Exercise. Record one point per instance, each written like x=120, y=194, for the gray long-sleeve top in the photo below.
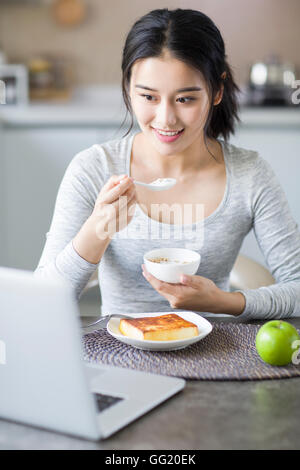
x=253, y=199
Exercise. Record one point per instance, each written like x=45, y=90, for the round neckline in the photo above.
x=206, y=219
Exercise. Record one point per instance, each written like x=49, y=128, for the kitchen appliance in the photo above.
x=50, y=77
x=271, y=83
x=14, y=81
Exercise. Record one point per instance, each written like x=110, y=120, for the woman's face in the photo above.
x=166, y=108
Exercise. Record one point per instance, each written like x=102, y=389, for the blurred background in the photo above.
x=91, y=33
x=60, y=77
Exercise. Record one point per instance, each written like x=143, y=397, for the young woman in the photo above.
x=176, y=80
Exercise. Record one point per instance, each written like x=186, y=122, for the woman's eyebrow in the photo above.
x=190, y=88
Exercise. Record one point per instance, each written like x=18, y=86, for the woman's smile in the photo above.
x=168, y=137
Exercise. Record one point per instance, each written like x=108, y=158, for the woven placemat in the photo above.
x=227, y=353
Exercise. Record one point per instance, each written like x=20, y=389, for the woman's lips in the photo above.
x=167, y=138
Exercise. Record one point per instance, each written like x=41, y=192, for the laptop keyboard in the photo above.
x=105, y=401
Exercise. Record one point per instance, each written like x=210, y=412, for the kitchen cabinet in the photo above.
x=33, y=161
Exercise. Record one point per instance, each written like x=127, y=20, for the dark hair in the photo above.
x=192, y=37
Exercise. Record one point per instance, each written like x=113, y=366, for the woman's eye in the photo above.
x=183, y=102
x=188, y=98
x=147, y=96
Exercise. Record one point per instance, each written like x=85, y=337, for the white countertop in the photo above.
x=104, y=106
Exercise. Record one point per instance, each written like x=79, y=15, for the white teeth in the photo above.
x=167, y=133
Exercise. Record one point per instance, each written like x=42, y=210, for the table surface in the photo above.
x=262, y=414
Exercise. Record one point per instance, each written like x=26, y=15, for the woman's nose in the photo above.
x=166, y=115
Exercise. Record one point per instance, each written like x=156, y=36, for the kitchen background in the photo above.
x=61, y=63
x=251, y=31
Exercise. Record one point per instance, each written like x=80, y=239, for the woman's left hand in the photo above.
x=194, y=293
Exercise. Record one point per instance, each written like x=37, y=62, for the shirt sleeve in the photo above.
x=75, y=201
x=278, y=237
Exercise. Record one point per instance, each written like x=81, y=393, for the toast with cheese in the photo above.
x=162, y=328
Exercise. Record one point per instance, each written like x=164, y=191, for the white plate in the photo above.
x=204, y=328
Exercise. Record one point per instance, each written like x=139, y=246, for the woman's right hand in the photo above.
x=113, y=210
x=114, y=207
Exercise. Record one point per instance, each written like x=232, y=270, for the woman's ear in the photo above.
x=219, y=95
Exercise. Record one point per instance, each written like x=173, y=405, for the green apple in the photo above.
x=274, y=342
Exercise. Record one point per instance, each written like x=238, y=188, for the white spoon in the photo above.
x=160, y=184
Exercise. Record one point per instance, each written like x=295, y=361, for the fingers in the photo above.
x=125, y=199
x=114, y=193
x=191, y=281
x=117, y=214
x=114, y=188
x=161, y=286
x=113, y=181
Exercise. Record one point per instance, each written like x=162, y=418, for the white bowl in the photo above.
x=182, y=261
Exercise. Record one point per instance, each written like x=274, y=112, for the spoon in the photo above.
x=160, y=184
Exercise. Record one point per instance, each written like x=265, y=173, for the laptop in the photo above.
x=44, y=380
